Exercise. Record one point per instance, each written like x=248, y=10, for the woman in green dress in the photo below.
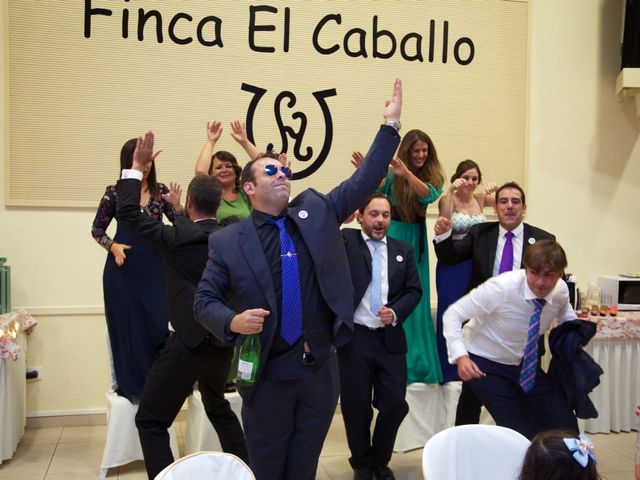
x=224, y=166
x=415, y=180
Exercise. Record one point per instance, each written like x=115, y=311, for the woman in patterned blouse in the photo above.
x=133, y=283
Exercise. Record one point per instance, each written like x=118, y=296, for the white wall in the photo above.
x=584, y=152
x=583, y=174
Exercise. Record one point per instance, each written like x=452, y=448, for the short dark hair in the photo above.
x=464, y=166
x=224, y=156
x=247, y=174
x=511, y=185
x=548, y=457
x=205, y=193
x=371, y=197
x=545, y=253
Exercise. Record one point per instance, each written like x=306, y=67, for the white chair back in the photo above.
x=207, y=465
x=122, y=444
x=469, y=452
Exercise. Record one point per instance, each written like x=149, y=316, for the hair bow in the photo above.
x=582, y=449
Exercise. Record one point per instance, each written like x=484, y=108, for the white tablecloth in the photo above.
x=13, y=402
x=432, y=408
x=619, y=391
x=616, y=348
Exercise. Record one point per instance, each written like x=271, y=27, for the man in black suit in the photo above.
x=191, y=353
x=283, y=273
x=484, y=245
x=374, y=361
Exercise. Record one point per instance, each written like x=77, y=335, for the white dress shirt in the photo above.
x=499, y=310
x=517, y=241
x=131, y=173
x=363, y=314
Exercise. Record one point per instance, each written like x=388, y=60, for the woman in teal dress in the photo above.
x=224, y=166
x=415, y=180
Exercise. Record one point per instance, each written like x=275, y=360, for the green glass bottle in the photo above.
x=249, y=360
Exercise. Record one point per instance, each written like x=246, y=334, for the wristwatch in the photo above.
x=393, y=123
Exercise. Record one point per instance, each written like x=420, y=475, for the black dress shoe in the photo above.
x=383, y=472
x=363, y=474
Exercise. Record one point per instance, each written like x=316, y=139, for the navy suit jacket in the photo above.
x=237, y=276
x=404, y=282
x=480, y=245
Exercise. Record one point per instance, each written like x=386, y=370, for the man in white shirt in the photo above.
x=485, y=245
x=498, y=354
x=386, y=290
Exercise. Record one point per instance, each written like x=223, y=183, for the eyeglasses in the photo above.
x=272, y=169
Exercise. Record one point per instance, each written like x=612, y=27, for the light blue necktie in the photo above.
x=375, y=300
x=291, y=318
x=530, y=358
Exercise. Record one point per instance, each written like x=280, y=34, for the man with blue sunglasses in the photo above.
x=283, y=273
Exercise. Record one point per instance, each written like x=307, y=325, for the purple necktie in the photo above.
x=506, y=262
x=530, y=358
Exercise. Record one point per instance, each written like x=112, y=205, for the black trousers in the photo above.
x=540, y=409
x=287, y=421
x=365, y=368
x=169, y=383
x=469, y=406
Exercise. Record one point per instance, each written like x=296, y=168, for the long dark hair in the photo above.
x=407, y=205
x=126, y=161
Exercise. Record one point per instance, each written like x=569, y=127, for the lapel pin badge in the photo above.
x=531, y=241
x=303, y=214
x=399, y=258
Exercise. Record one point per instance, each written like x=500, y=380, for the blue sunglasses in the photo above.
x=271, y=170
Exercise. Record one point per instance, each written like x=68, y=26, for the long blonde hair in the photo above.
x=407, y=205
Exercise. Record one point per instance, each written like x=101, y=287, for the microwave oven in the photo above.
x=624, y=292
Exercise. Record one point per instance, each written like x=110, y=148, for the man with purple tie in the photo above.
x=494, y=248
x=498, y=354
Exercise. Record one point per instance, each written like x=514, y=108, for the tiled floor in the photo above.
x=74, y=453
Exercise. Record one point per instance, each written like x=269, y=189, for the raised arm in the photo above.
x=446, y=204
x=203, y=164
x=488, y=197
x=239, y=134
x=399, y=169
x=128, y=211
x=350, y=194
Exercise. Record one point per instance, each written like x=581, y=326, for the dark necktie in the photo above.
x=530, y=358
x=375, y=300
x=291, y=318
x=506, y=262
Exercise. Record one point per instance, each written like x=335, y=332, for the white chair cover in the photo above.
x=122, y=445
x=13, y=400
x=200, y=434
x=207, y=465
x=469, y=452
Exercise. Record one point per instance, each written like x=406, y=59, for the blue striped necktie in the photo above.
x=530, y=358
x=291, y=315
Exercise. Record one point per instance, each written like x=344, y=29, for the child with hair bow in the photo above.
x=558, y=455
